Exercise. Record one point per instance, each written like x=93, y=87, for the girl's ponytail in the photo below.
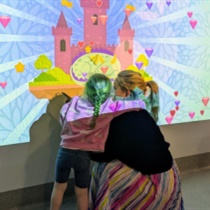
x=154, y=99
x=97, y=106
x=97, y=90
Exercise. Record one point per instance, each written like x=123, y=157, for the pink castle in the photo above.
x=95, y=29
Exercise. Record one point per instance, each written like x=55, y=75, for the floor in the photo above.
x=195, y=188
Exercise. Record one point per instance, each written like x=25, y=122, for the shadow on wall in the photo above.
x=43, y=146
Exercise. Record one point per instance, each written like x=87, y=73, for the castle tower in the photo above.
x=62, y=35
x=94, y=15
x=124, y=51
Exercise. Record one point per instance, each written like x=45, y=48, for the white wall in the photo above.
x=31, y=164
x=188, y=138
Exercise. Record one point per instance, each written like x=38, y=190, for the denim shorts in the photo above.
x=77, y=160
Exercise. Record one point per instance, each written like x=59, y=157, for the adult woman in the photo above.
x=136, y=171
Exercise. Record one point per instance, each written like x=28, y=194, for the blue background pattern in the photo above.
x=175, y=65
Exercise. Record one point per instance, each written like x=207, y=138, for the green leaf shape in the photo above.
x=44, y=77
x=53, y=83
x=59, y=74
x=42, y=63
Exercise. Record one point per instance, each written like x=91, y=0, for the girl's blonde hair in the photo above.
x=97, y=90
x=128, y=80
x=154, y=86
x=154, y=90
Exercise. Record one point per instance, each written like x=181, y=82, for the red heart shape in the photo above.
x=130, y=51
x=104, y=69
x=91, y=43
x=99, y=3
x=202, y=112
x=176, y=93
x=80, y=44
x=177, y=108
x=172, y=112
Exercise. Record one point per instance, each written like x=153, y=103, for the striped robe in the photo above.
x=115, y=186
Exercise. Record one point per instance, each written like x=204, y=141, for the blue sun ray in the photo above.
x=25, y=38
x=201, y=74
x=177, y=15
x=10, y=65
x=13, y=137
x=23, y=15
x=5, y=100
x=57, y=12
x=195, y=41
x=184, y=100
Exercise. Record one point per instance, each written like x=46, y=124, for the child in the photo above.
x=85, y=123
x=130, y=85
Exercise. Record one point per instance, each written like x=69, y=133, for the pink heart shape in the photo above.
x=3, y=84
x=115, y=106
x=169, y=119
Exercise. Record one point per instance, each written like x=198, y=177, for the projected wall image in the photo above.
x=49, y=47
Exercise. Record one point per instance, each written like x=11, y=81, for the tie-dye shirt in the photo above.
x=77, y=115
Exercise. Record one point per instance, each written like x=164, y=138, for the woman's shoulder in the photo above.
x=135, y=120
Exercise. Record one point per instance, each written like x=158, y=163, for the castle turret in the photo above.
x=95, y=19
x=126, y=32
x=124, y=51
x=62, y=34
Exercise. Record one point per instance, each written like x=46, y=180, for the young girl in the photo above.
x=130, y=85
x=85, y=123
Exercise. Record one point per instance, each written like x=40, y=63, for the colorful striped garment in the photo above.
x=115, y=186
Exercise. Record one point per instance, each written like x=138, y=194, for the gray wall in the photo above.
x=31, y=164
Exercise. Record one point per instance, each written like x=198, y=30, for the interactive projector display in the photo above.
x=49, y=47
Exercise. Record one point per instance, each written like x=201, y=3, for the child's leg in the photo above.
x=57, y=195
x=62, y=172
x=82, y=198
x=82, y=176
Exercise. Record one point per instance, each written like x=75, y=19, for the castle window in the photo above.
x=95, y=19
x=126, y=45
x=62, y=45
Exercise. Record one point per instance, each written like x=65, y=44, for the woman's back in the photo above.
x=146, y=151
